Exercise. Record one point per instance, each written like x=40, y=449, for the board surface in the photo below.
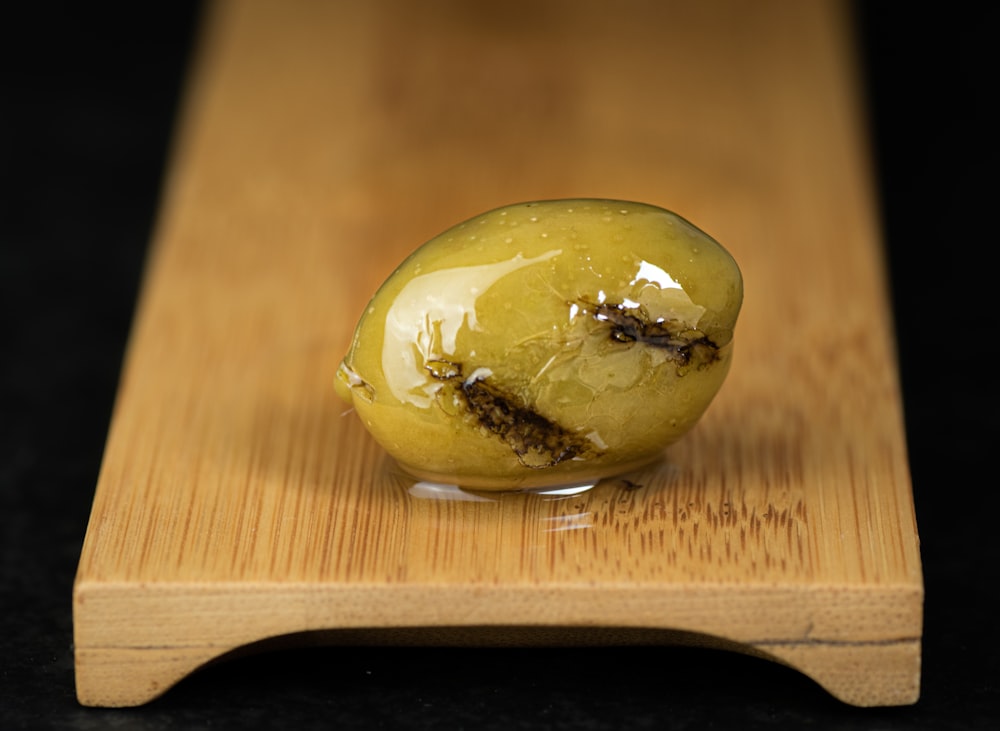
x=320, y=144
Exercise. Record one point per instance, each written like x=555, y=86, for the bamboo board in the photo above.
x=320, y=144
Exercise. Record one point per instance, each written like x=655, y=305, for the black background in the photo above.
x=89, y=94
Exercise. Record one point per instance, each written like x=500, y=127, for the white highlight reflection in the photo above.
x=566, y=489
x=577, y=521
x=444, y=491
x=655, y=275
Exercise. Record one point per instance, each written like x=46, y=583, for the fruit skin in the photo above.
x=546, y=343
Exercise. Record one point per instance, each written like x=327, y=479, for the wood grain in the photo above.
x=321, y=143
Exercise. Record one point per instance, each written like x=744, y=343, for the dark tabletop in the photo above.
x=89, y=95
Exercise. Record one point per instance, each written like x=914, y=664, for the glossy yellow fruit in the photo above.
x=545, y=344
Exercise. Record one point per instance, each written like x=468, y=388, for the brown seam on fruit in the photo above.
x=537, y=441
x=684, y=345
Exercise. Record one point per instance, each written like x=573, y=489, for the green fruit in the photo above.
x=545, y=344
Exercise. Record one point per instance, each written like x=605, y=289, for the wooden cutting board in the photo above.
x=320, y=144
